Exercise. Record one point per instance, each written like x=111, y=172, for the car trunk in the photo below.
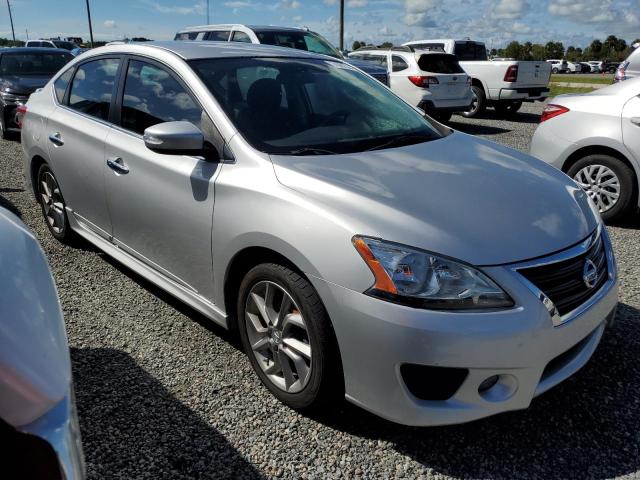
x=452, y=79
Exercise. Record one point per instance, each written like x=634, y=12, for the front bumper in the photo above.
x=520, y=346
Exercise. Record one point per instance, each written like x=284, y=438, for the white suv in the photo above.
x=51, y=44
x=432, y=81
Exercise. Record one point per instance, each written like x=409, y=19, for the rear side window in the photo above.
x=378, y=59
x=398, y=64
x=152, y=95
x=93, y=86
x=186, y=36
x=428, y=46
x=470, y=51
x=60, y=85
x=218, y=36
x=240, y=37
x=439, y=63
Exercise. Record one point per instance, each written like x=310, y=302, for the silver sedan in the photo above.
x=360, y=249
x=595, y=139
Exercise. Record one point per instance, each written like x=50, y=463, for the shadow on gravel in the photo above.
x=631, y=221
x=476, y=128
x=587, y=427
x=132, y=427
x=4, y=202
x=226, y=335
x=520, y=117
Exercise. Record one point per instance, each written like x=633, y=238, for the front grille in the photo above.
x=563, y=281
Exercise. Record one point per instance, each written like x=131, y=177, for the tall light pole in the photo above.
x=90, y=27
x=11, y=19
x=207, y=12
x=341, y=25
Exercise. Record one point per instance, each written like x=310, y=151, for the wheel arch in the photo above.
x=36, y=162
x=604, y=150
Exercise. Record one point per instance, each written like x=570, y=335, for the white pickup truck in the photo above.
x=501, y=84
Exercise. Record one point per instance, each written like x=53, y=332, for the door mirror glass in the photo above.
x=174, y=137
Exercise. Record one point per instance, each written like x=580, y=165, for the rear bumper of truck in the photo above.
x=523, y=93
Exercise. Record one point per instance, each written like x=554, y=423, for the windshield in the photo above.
x=307, y=107
x=309, y=41
x=65, y=45
x=37, y=63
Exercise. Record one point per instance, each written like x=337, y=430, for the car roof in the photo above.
x=32, y=50
x=205, y=49
x=229, y=26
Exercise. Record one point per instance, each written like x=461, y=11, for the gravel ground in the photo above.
x=164, y=394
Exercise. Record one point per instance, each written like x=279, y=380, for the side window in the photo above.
x=60, y=85
x=380, y=60
x=218, y=36
x=398, y=64
x=186, y=36
x=152, y=95
x=240, y=37
x=93, y=86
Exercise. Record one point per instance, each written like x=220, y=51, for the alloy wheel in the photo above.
x=52, y=202
x=278, y=335
x=601, y=184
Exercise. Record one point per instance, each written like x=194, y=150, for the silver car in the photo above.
x=595, y=139
x=38, y=422
x=361, y=249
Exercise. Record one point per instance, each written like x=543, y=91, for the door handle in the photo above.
x=635, y=121
x=56, y=139
x=117, y=165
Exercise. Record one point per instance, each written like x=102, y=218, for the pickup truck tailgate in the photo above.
x=533, y=74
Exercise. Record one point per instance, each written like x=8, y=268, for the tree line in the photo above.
x=5, y=42
x=611, y=49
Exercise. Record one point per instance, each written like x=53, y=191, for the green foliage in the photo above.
x=386, y=45
x=356, y=45
x=5, y=42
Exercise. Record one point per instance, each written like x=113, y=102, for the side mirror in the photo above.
x=174, y=138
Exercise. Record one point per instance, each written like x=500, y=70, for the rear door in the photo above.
x=76, y=133
x=452, y=79
x=161, y=204
x=531, y=74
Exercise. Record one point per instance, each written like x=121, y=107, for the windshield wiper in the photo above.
x=311, y=151
x=403, y=140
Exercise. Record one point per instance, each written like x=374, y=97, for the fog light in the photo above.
x=488, y=383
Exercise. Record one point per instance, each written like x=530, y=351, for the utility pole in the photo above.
x=207, y=12
x=26, y=30
x=341, y=25
x=90, y=27
x=11, y=19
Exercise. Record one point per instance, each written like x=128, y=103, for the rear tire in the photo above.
x=442, y=117
x=53, y=206
x=603, y=177
x=554, y=70
x=276, y=342
x=507, y=109
x=479, y=104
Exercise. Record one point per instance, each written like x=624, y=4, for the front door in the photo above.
x=76, y=132
x=161, y=205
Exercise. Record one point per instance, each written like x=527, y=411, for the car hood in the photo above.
x=459, y=196
x=23, y=85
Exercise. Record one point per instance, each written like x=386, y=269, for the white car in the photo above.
x=596, y=66
x=431, y=81
x=574, y=67
x=595, y=139
x=503, y=85
x=38, y=423
x=51, y=44
x=558, y=66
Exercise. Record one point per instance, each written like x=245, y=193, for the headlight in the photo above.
x=422, y=279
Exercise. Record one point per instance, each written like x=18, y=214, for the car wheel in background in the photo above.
x=506, y=109
x=288, y=337
x=608, y=181
x=53, y=207
x=479, y=104
x=554, y=70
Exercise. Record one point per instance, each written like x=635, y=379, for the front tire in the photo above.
x=608, y=181
x=479, y=104
x=53, y=206
x=287, y=335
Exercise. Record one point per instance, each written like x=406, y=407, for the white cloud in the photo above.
x=509, y=9
x=419, y=6
x=239, y=4
x=290, y=4
x=198, y=8
x=357, y=3
x=110, y=24
x=330, y=2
